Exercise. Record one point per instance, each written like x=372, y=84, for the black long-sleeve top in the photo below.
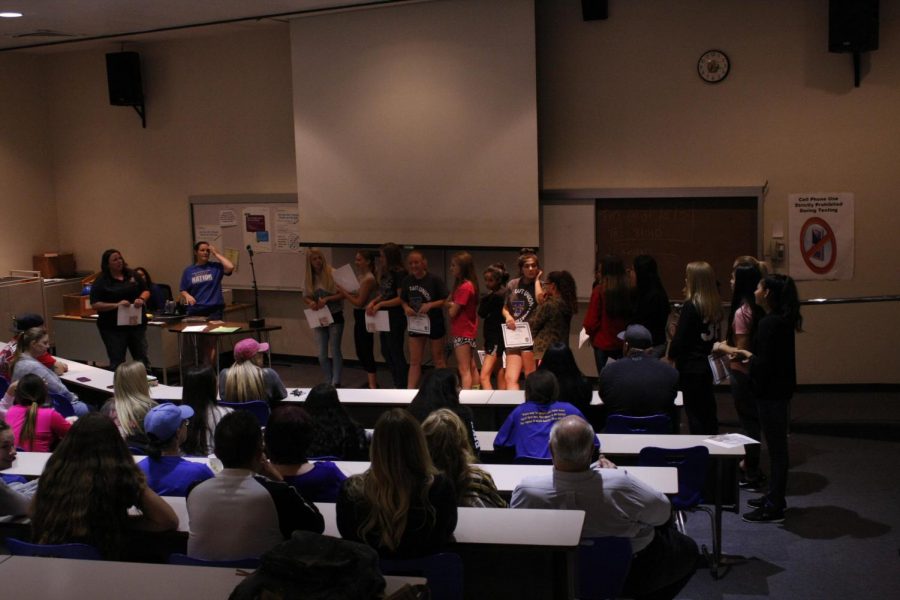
x=773, y=368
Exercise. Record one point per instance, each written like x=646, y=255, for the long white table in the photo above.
x=101, y=380
x=388, y=397
x=506, y=477
x=633, y=443
x=33, y=577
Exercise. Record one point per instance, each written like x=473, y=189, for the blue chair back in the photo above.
x=241, y=563
x=625, y=424
x=4, y=385
x=61, y=404
x=259, y=408
x=443, y=571
x=603, y=564
x=692, y=466
x=76, y=551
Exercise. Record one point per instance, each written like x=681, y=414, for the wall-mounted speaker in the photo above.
x=123, y=75
x=852, y=25
x=594, y=10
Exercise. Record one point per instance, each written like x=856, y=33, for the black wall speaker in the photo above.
x=123, y=75
x=852, y=25
x=594, y=10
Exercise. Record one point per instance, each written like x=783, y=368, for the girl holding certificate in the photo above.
x=423, y=296
x=321, y=292
x=462, y=308
x=391, y=274
x=362, y=337
x=524, y=293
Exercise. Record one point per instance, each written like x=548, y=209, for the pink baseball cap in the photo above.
x=248, y=348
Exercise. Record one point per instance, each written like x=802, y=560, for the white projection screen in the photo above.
x=417, y=124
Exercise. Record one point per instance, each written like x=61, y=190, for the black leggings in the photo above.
x=365, y=341
x=393, y=347
x=699, y=402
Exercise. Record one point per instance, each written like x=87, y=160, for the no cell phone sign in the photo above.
x=818, y=245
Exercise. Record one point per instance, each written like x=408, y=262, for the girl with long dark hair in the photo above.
x=608, y=311
x=490, y=309
x=651, y=303
x=200, y=392
x=463, y=310
x=363, y=339
x=522, y=298
x=391, y=273
x=334, y=433
x=552, y=319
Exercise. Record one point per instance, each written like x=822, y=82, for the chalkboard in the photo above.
x=267, y=222
x=676, y=231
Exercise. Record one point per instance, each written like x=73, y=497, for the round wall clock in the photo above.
x=713, y=66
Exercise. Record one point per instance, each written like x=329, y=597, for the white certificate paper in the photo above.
x=419, y=324
x=318, y=318
x=128, y=315
x=379, y=322
x=346, y=278
x=519, y=337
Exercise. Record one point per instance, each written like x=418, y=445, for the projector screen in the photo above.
x=417, y=124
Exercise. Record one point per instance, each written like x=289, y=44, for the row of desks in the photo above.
x=506, y=477
x=31, y=577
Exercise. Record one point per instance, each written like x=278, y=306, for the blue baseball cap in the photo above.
x=163, y=420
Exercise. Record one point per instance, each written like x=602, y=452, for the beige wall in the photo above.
x=620, y=105
x=219, y=121
x=29, y=222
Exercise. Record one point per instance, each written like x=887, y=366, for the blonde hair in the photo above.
x=702, y=290
x=450, y=449
x=401, y=468
x=131, y=397
x=244, y=382
x=324, y=280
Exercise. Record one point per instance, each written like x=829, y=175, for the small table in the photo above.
x=209, y=331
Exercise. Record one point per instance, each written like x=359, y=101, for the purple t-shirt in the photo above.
x=322, y=484
x=527, y=428
x=173, y=475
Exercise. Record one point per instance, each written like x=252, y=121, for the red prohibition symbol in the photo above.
x=815, y=245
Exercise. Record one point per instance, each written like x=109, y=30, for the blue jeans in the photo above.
x=331, y=367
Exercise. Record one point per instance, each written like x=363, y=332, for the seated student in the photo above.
x=130, y=403
x=23, y=324
x=240, y=513
x=288, y=434
x=246, y=380
x=88, y=486
x=440, y=389
x=615, y=504
x=200, y=392
x=158, y=294
x=639, y=384
x=32, y=345
x=448, y=444
x=526, y=430
x=13, y=498
x=167, y=473
x=401, y=506
x=36, y=426
x=334, y=432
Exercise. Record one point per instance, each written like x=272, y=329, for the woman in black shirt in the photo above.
x=118, y=286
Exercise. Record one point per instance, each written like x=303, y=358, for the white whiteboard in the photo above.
x=275, y=270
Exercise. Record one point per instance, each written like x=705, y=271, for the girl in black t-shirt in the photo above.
x=422, y=293
x=390, y=275
x=490, y=309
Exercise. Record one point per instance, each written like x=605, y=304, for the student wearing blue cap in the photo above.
x=168, y=474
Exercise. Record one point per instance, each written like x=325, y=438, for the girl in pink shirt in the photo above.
x=36, y=428
x=463, y=309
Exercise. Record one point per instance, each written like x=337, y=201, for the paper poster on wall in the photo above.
x=234, y=255
x=256, y=228
x=208, y=233
x=287, y=230
x=227, y=218
x=821, y=235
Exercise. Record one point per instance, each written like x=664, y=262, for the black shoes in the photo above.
x=764, y=512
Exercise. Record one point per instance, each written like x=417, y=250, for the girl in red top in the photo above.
x=36, y=428
x=608, y=311
x=463, y=307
